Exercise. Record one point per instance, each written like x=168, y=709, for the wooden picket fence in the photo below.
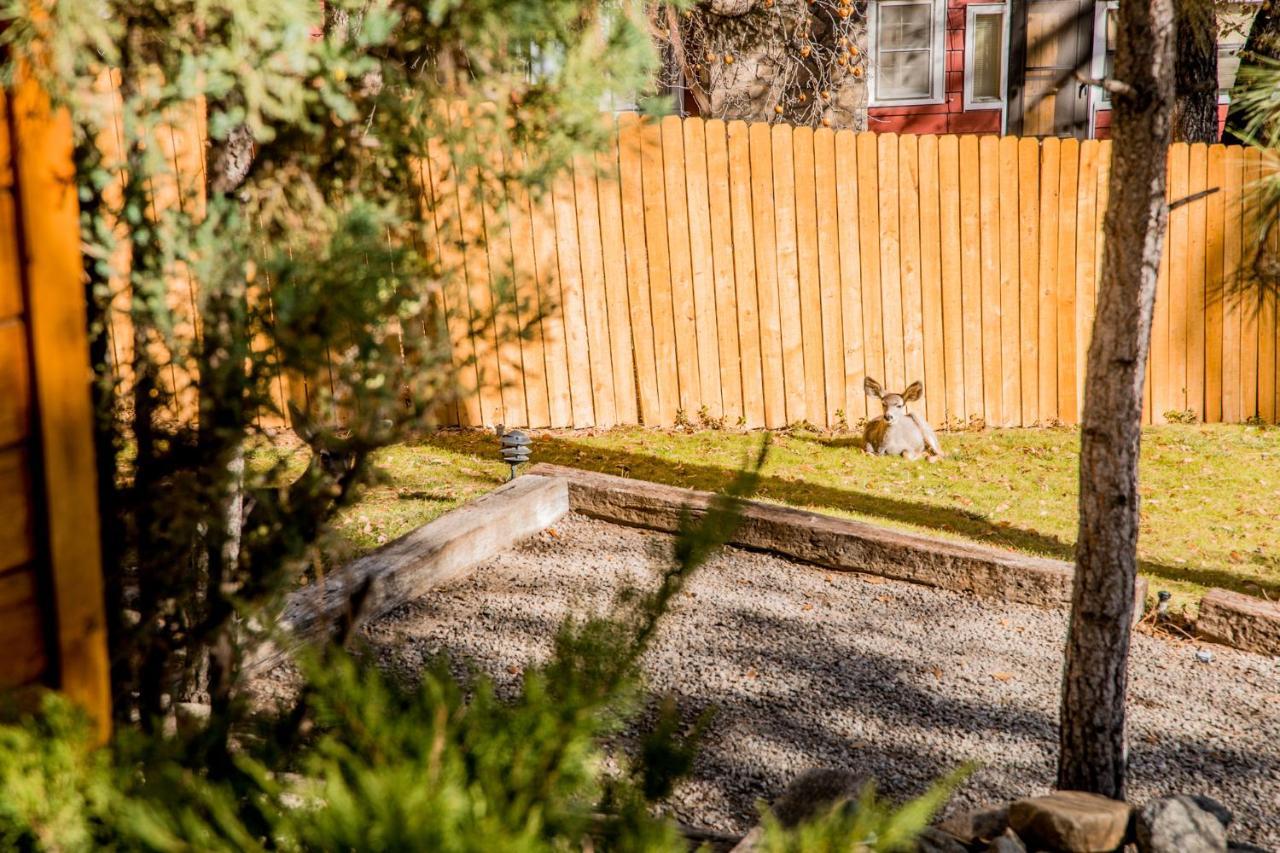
x=757, y=273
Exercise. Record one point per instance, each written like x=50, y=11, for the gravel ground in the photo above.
x=809, y=668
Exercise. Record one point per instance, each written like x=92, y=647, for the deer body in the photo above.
x=898, y=432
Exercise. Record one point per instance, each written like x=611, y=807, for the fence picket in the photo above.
x=1214, y=245
x=810, y=286
x=1010, y=315
x=1029, y=271
x=612, y=239
x=910, y=279
x=1197, y=178
x=952, y=278
x=971, y=275
x=766, y=262
x=931, y=283
x=1050, y=163
x=704, y=296
x=847, y=201
x=1068, y=177
x=595, y=297
x=659, y=263
x=744, y=273
x=829, y=274
x=1086, y=258
x=630, y=177
x=722, y=245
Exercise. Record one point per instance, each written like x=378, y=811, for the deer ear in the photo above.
x=872, y=387
x=913, y=392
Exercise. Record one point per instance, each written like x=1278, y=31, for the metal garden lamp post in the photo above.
x=516, y=447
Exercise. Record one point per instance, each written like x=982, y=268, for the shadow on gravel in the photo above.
x=797, y=492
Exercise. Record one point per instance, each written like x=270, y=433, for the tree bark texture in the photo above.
x=796, y=61
x=1195, y=111
x=1261, y=48
x=1092, y=756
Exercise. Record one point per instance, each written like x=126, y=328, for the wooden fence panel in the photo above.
x=935, y=381
x=1050, y=161
x=701, y=256
x=722, y=251
x=787, y=256
x=1010, y=315
x=1068, y=177
x=659, y=265
x=744, y=273
x=810, y=304
x=766, y=262
x=829, y=273
x=634, y=223
x=909, y=241
x=952, y=277
x=1029, y=267
x=681, y=279
x=989, y=224
x=847, y=209
x=971, y=276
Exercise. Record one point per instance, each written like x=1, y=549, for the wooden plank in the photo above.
x=1232, y=232
x=726, y=298
x=528, y=300
x=555, y=348
x=682, y=306
x=909, y=241
x=935, y=381
x=613, y=240
x=60, y=352
x=634, y=229
x=1029, y=278
x=1179, y=155
x=432, y=321
x=1010, y=315
x=952, y=278
x=704, y=289
x=895, y=371
x=659, y=262
x=1214, y=244
x=1197, y=178
x=829, y=276
x=480, y=296
x=10, y=279
x=762, y=214
x=506, y=313
x=847, y=200
x=869, y=258
x=572, y=301
x=595, y=296
x=744, y=273
x=15, y=383
x=681, y=267
x=1161, y=381
x=1068, y=177
x=17, y=535
x=22, y=629
x=815, y=402
x=989, y=223
x=971, y=275
x=1270, y=335
x=784, y=217
x=1251, y=316
x=1086, y=258
x=441, y=182
x=1050, y=166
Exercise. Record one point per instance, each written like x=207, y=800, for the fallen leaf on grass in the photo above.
x=552, y=532
x=807, y=606
x=1002, y=676
x=884, y=598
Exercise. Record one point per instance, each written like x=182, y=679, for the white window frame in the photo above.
x=1098, y=66
x=938, y=77
x=972, y=11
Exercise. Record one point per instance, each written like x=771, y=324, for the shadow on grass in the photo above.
x=795, y=491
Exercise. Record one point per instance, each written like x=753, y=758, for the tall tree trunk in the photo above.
x=1261, y=49
x=1195, y=111
x=1092, y=738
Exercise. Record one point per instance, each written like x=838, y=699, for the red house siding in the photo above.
x=949, y=117
x=1102, y=122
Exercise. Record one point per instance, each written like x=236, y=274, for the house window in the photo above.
x=1234, y=21
x=1104, y=49
x=984, y=53
x=907, y=58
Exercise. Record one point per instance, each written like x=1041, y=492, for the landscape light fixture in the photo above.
x=516, y=448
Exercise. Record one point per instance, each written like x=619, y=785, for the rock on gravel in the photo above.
x=1179, y=825
x=1071, y=821
x=901, y=682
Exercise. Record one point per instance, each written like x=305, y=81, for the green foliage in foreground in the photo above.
x=361, y=762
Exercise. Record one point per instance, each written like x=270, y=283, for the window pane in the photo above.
x=988, y=48
x=908, y=26
x=904, y=74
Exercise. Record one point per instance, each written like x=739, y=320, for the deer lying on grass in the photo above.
x=898, y=432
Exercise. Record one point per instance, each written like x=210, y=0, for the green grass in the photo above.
x=1211, y=494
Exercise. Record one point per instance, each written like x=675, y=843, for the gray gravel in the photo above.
x=810, y=668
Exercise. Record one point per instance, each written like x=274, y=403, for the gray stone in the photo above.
x=934, y=840
x=1070, y=822
x=835, y=543
x=1241, y=621
x=978, y=825
x=1213, y=807
x=1009, y=842
x=1179, y=825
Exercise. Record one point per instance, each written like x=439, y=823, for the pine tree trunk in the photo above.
x=1092, y=737
x=1261, y=50
x=1195, y=111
